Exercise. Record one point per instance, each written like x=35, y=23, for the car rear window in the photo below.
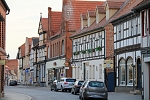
x=80, y=82
x=96, y=84
x=70, y=80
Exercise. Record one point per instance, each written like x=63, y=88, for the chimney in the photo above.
x=49, y=22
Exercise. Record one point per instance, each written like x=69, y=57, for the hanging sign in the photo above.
x=108, y=63
x=2, y=62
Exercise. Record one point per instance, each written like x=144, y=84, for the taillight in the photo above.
x=65, y=82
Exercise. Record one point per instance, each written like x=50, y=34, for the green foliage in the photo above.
x=98, y=48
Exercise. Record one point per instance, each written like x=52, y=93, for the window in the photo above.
x=93, y=71
x=130, y=28
x=48, y=52
x=129, y=70
x=63, y=47
x=100, y=71
x=100, y=41
x=122, y=71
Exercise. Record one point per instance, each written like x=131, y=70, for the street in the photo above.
x=44, y=93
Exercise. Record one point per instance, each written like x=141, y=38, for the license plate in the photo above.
x=96, y=96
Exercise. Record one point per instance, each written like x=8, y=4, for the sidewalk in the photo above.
x=15, y=96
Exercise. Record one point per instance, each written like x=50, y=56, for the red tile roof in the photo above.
x=92, y=27
x=126, y=8
x=44, y=22
x=56, y=21
x=73, y=10
x=102, y=23
x=101, y=9
x=91, y=13
x=114, y=4
x=84, y=16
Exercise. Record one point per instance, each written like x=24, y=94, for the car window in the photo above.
x=70, y=80
x=84, y=84
x=80, y=82
x=96, y=84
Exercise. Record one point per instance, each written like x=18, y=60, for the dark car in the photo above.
x=93, y=90
x=76, y=87
x=15, y=82
x=11, y=83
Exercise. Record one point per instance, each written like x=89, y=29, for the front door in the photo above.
x=139, y=77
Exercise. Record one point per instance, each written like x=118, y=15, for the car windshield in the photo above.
x=80, y=82
x=70, y=80
x=96, y=84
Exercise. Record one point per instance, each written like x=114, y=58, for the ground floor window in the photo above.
x=122, y=71
x=126, y=72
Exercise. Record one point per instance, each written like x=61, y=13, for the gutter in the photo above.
x=6, y=6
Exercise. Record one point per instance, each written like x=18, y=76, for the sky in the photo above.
x=23, y=21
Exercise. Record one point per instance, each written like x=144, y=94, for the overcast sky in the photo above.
x=23, y=21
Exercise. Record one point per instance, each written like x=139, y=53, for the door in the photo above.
x=139, y=78
x=111, y=82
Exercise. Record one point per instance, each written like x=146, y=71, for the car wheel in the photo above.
x=71, y=91
x=62, y=89
x=82, y=98
x=74, y=92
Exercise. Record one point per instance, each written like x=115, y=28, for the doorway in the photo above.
x=139, y=77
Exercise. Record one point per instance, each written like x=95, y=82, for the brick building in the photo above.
x=4, y=10
x=11, y=70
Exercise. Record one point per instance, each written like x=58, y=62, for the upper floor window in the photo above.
x=63, y=47
x=48, y=52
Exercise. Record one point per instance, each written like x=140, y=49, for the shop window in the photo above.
x=122, y=72
x=129, y=71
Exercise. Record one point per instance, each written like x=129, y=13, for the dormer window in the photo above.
x=111, y=8
x=91, y=17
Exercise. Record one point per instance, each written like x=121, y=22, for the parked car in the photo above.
x=76, y=87
x=11, y=83
x=65, y=84
x=53, y=85
x=81, y=88
x=93, y=90
x=15, y=82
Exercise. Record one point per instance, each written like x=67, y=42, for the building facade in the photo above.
x=127, y=44
x=20, y=57
x=35, y=41
x=4, y=10
x=93, y=43
x=144, y=11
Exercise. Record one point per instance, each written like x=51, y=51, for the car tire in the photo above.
x=62, y=89
x=71, y=91
x=75, y=92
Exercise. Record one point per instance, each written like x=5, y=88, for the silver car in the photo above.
x=93, y=90
x=65, y=84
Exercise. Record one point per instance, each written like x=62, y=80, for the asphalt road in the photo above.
x=44, y=93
